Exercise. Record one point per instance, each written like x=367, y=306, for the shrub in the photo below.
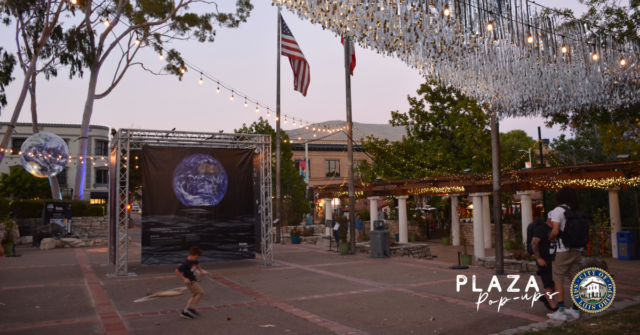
x=26, y=209
x=4, y=208
x=79, y=208
x=94, y=211
x=365, y=215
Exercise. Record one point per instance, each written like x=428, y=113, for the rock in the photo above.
x=480, y=262
x=554, y=323
x=532, y=267
x=47, y=243
x=73, y=243
x=26, y=239
x=509, y=332
x=59, y=244
x=539, y=326
x=593, y=262
x=523, y=329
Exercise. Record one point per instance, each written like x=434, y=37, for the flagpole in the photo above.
x=278, y=232
x=352, y=201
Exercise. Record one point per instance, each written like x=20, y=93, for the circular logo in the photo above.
x=593, y=290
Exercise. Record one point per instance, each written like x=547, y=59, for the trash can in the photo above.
x=379, y=238
x=626, y=246
x=309, y=220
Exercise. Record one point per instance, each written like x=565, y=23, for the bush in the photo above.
x=4, y=208
x=365, y=215
x=94, y=211
x=29, y=209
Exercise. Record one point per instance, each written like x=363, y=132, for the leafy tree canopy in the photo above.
x=7, y=64
x=293, y=188
x=20, y=184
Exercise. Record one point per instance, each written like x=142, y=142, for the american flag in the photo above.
x=299, y=65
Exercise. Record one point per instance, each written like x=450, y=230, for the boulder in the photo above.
x=593, y=262
x=73, y=243
x=47, y=243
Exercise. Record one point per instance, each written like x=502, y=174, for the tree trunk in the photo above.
x=78, y=186
x=53, y=181
x=18, y=108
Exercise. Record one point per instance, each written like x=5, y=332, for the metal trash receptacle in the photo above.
x=626, y=245
x=380, y=240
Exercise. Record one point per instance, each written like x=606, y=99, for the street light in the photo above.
x=530, y=165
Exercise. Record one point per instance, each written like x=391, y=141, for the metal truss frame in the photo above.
x=126, y=140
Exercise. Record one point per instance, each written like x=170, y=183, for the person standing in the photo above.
x=567, y=260
x=187, y=272
x=359, y=227
x=541, y=250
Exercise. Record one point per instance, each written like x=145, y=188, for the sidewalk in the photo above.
x=312, y=291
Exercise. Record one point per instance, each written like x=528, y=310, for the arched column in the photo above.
x=527, y=211
x=478, y=229
x=373, y=210
x=328, y=214
x=403, y=228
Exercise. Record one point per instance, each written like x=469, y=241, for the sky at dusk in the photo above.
x=244, y=58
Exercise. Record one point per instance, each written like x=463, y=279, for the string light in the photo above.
x=73, y=2
x=218, y=89
x=622, y=61
x=258, y=110
x=161, y=57
x=294, y=122
x=307, y=127
x=137, y=41
x=490, y=26
x=314, y=134
x=285, y=120
x=446, y=10
x=200, y=78
x=183, y=70
x=564, y=49
x=595, y=56
x=232, y=96
x=245, y=102
x=106, y=22
x=530, y=39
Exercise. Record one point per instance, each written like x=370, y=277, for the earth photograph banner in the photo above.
x=197, y=197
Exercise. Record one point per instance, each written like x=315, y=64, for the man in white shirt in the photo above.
x=566, y=261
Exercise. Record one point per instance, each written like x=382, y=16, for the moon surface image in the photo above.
x=200, y=180
x=44, y=155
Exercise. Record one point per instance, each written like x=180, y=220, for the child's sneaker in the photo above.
x=186, y=315
x=557, y=315
x=193, y=311
x=575, y=313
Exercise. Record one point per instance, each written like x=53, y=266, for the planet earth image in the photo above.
x=200, y=180
x=44, y=155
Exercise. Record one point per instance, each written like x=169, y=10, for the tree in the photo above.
x=38, y=19
x=295, y=203
x=510, y=145
x=7, y=64
x=20, y=184
x=131, y=26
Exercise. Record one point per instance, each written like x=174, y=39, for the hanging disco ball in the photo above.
x=44, y=155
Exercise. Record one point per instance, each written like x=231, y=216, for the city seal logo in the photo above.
x=593, y=290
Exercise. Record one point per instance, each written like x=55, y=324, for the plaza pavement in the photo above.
x=311, y=291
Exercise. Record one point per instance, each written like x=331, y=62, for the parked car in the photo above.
x=135, y=208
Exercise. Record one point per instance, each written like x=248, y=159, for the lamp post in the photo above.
x=530, y=166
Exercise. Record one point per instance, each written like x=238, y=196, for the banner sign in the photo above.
x=197, y=197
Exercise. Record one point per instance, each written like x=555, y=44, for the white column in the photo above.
x=373, y=210
x=616, y=222
x=486, y=220
x=478, y=229
x=527, y=211
x=455, y=220
x=328, y=214
x=403, y=228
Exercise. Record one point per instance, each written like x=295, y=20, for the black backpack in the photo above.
x=531, y=228
x=576, y=229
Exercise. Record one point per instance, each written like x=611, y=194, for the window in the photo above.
x=98, y=201
x=17, y=144
x=102, y=148
x=333, y=168
x=102, y=176
x=300, y=167
x=62, y=177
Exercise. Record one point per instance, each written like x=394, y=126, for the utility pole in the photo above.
x=278, y=195
x=352, y=199
x=541, y=165
x=306, y=162
x=497, y=191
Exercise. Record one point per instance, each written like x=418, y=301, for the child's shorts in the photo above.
x=194, y=289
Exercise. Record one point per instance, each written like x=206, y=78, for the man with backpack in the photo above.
x=538, y=244
x=571, y=232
